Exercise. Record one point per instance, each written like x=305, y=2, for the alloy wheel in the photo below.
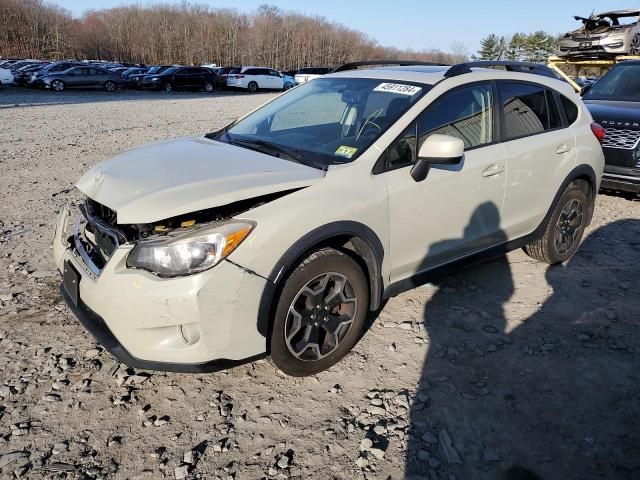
x=320, y=316
x=110, y=86
x=57, y=85
x=208, y=87
x=568, y=226
x=635, y=45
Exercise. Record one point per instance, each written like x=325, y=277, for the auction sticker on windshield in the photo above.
x=398, y=88
x=345, y=151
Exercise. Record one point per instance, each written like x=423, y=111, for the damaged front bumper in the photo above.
x=196, y=323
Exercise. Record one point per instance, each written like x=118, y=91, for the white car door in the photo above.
x=456, y=210
x=541, y=152
x=275, y=80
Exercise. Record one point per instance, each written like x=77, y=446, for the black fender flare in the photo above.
x=366, y=244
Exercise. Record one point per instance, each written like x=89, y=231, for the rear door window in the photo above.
x=527, y=110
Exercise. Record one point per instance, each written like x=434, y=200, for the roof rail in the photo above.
x=510, y=66
x=374, y=63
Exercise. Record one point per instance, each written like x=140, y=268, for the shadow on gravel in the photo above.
x=552, y=396
x=16, y=97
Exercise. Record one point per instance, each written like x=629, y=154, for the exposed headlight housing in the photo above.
x=189, y=253
x=154, y=79
x=615, y=45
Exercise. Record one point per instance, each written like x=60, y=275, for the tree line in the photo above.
x=190, y=33
x=535, y=47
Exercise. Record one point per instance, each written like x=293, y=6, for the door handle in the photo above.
x=563, y=149
x=493, y=170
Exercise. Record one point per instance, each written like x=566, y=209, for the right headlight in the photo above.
x=190, y=253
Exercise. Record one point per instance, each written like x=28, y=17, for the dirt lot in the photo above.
x=506, y=370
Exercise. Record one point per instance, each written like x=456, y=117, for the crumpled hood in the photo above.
x=175, y=177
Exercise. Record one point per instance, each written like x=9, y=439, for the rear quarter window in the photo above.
x=570, y=109
x=528, y=109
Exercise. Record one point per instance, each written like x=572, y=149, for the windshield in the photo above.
x=622, y=83
x=325, y=121
x=168, y=70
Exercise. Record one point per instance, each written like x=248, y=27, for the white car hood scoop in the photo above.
x=175, y=177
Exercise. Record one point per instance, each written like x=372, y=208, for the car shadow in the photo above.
x=528, y=390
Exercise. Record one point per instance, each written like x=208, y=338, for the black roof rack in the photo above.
x=521, y=67
x=375, y=63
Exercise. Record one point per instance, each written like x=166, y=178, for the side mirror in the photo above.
x=437, y=150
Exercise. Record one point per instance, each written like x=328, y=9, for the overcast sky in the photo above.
x=418, y=24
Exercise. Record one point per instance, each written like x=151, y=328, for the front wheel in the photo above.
x=253, y=87
x=565, y=229
x=167, y=87
x=320, y=313
x=57, y=85
x=208, y=87
x=110, y=86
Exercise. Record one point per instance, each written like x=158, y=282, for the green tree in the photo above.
x=515, y=50
x=492, y=47
x=538, y=47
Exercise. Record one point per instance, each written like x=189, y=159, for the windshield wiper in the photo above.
x=269, y=148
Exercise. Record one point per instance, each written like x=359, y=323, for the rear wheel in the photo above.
x=58, y=85
x=253, y=87
x=565, y=229
x=110, y=86
x=320, y=313
x=635, y=45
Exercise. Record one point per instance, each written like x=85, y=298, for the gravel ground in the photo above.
x=506, y=370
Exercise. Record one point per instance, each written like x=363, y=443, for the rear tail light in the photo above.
x=598, y=131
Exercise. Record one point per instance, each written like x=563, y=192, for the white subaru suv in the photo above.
x=278, y=234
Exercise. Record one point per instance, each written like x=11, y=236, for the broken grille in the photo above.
x=621, y=138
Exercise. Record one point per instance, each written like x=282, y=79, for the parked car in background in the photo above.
x=14, y=67
x=6, y=77
x=256, y=78
x=289, y=81
x=279, y=234
x=83, y=77
x=181, y=78
x=22, y=76
x=135, y=79
x=55, y=67
x=305, y=74
x=224, y=72
x=130, y=75
x=604, y=35
x=290, y=73
x=614, y=102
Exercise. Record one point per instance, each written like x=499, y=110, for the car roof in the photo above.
x=619, y=13
x=430, y=75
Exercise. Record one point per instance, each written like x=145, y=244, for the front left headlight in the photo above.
x=190, y=253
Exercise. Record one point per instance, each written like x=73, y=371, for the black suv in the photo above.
x=174, y=78
x=614, y=102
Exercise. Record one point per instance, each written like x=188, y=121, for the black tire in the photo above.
x=167, y=87
x=252, y=87
x=349, y=315
x=207, y=87
x=563, y=224
x=635, y=45
x=110, y=86
x=58, y=85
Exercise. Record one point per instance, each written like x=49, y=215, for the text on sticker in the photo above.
x=400, y=88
